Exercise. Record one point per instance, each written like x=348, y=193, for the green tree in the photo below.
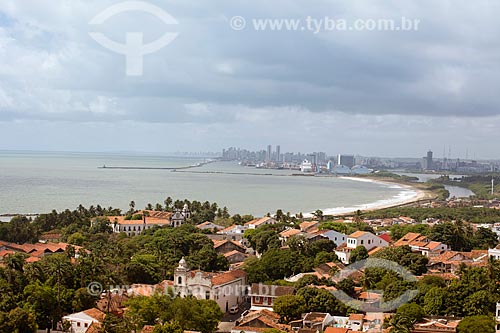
x=406, y=316
x=289, y=307
x=18, y=320
x=359, y=253
x=169, y=327
x=475, y=324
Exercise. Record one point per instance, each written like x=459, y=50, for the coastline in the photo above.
x=408, y=194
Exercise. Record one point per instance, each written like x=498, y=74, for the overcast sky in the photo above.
x=386, y=93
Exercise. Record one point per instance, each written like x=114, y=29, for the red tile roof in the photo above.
x=228, y=276
x=96, y=314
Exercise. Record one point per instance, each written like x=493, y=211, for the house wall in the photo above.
x=79, y=325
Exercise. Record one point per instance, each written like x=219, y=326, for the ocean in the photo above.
x=36, y=182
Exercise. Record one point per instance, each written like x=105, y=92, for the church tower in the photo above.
x=180, y=278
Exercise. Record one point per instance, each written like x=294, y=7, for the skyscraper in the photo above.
x=429, y=163
x=346, y=160
x=278, y=154
x=269, y=152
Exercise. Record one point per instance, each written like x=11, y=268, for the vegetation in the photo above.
x=479, y=184
x=36, y=295
x=469, y=214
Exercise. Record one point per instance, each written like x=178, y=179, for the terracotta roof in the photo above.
x=271, y=290
x=152, y=219
x=290, y=232
x=228, y=229
x=357, y=234
x=356, y=316
x=228, y=276
x=96, y=314
x=266, y=317
x=232, y=253
x=94, y=328
x=308, y=224
x=336, y=330
x=262, y=220
x=408, y=238
x=374, y=250
x=219, y=243
x=315, y=316
x=369, y=295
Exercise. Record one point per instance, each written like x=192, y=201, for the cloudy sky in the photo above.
x=385, y=93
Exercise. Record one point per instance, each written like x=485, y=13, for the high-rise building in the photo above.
x=278, y=153
x=427, y=161
x=346, y=160
x=269, y=152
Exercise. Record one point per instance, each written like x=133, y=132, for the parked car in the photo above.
x=234, y=309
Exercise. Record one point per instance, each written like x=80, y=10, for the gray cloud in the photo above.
x=51, y=70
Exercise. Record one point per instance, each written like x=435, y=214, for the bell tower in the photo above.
x=180, y=278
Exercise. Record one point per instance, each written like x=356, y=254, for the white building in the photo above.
x=337, y=237
x=180, y=216
x=235, y=229
x=226, y=288
x=260, y=222
x=81, y=321
x=494, y=253
x=366, y=239
x=359, y=238
x=306, y=166
x=149, y=219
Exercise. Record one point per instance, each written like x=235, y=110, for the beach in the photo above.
x=407, y=194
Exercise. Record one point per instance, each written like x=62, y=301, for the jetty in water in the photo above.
x=196, y=165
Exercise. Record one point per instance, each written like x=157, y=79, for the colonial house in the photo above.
x=209, y=226
x=263, y=296
x=356, y=321
x=226, y=288
x=260, y=222
x=309, y=226
x=259, y=321
x=225, y=246
x=436, y=325
x=289, y=233
x=422, y=244
x=317, y=321
x=234, y=230
x=235, y=257
x=365, y=239
x=494, y=253
x=450, y=261
x=359, y=238
x=81, y=321
x=149, y=219
x=337, y=237
x=35, y=252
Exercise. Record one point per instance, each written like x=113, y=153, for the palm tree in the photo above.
x=132, y=206
x=168, y=202
x=319, y=214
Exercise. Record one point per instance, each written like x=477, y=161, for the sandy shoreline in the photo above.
x=408, y=194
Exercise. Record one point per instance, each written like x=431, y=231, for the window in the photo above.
x=362, y=241
x=179, y=280
x=257, y=299
x=78, y=324
x=207, y=294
